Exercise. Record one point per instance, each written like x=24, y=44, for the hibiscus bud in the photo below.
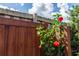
x=39, y=46
x=60, y=18
x=56, y=43
x=60, y=26
x=38, y=33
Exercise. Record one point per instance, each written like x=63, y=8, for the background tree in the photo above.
x=74, y=28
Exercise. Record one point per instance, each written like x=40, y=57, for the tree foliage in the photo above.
x=74, y=24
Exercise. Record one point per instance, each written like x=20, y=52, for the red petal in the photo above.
x=60, y=19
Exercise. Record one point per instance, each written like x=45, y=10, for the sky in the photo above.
x=41, y=9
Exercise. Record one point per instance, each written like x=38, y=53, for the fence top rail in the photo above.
x=13, y=22
x=22, y=15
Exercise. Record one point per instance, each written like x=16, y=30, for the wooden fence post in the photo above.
x=34, y=17
x=67, y=41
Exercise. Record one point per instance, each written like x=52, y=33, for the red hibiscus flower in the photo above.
x=60, y=18
x=56, y=44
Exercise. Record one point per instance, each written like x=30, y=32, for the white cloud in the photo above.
x=6, y=7
x=45, y=10
x=22, y=4
x=42, y=9
x=62, y=4
x=12, y=9
x=53, y=13
x=63, y=8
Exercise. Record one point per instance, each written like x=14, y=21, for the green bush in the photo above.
x=51, y=38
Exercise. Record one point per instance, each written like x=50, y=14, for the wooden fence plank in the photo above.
x=11, y=41
x=2, y=39
x=26, y=42
x=20, y=41
x=29, y=41
x=6, y=39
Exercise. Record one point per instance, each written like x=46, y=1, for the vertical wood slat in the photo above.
x=20, y=41
x=26, y=42
x=16, y=38
x=2, y=30
x=34, y=42
x=6, y=40
x=29, y=47
x=11, y=41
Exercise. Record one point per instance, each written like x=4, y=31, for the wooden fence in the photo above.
x=19, y=38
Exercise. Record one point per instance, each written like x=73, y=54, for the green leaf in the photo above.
x=53, y=48
x=41, y=42
x=51, y=41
